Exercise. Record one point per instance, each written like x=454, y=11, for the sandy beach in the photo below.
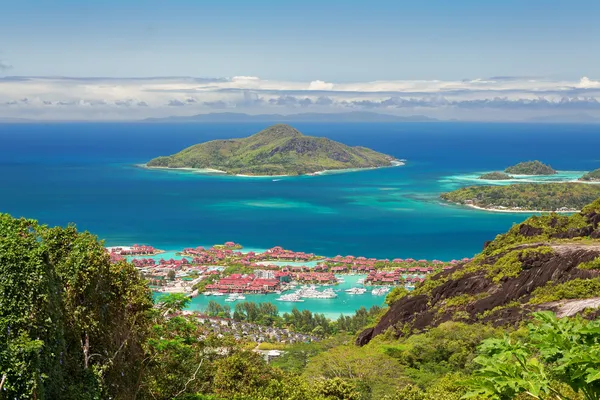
x=512, y=210
x=212, y=171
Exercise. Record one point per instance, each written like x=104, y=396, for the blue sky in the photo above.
x=302, y=40
x=471, y=60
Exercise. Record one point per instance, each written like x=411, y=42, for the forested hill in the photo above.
x=549, y=262
x=277, y=150
x=527, y=196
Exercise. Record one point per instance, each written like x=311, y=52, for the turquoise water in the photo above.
x=86, y=174
x=332, y=308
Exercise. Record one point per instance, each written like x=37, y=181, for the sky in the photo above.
x=52, y=54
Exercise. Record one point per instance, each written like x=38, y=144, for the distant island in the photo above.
x=593, y=176
x=526, y=197
x=530, y=168
x=354, y=116
x=276, y=150
x=495, y=176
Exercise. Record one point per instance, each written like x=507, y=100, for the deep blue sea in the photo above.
x=86, y=174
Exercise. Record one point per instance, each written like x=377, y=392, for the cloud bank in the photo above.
x=501, y=98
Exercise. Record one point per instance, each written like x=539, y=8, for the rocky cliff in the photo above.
x=549, y=262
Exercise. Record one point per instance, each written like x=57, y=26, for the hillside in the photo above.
x=526, y=196
x=495, y=176
x=549, y=262
x=593, y=176
x=277, y=150
x=530, y=168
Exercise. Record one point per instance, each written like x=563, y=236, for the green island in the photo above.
x=593, y=176
x=275, y=151
x=568, y=196
x=530, y=168
x=495, y=176
x=520, y=320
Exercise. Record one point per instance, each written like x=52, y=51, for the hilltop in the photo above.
x=531, y=168
x=549, y=262
x=276, y=150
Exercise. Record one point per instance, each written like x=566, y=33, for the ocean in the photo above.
x=86, y=174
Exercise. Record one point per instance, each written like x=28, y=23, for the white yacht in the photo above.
x=235, y=296
x=218, y=294
x=356, y=290
x=290, y=297
x=380, y=291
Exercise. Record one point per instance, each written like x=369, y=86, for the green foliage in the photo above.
x=573, y=289
x=214, y=309
x=593, y=264
x=173, y=302
x=530, y=168
x=277, y=150
x=377, y=372
x=510, y=264
x=396, y=294
x=71, y=323
x=592, y=176
x=495, y=176
x=243, y=372
x=261, y=313
x=557, y=351
x=359, y=320
x=527, y=196
x=449, y=347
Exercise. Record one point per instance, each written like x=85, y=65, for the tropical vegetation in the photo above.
x=530, y=168
x=495, y=176
x=74, y=325
x=527, y=196
x=276, y=150
x=593, y=176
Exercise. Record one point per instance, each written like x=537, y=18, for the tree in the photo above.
x=558, y=351
x=171, y=275
x=71, y=323
x=174, y=302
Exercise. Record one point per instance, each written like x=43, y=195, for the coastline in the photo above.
x=512, y=210
x=212, y=171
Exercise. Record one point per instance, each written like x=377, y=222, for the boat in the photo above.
x=312, y=293
x=234, y=297
x=356, y=290
x=218, y=294
x=207, y=293
x=380, y=291
x=290, y=297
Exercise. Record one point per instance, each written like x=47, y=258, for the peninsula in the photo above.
x=593, y=176
x=277, y=150
x=531, y=168
x=526, y=197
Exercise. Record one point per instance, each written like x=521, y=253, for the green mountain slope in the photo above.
x=549, y=262
x=530, y=168
x=277, y=150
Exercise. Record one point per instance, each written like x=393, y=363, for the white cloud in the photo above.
x=586, y=83
x=136, y=98
x=320, y=85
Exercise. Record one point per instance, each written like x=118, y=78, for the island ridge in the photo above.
x=276, y=150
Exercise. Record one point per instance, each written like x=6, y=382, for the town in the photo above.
x=226, y=270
